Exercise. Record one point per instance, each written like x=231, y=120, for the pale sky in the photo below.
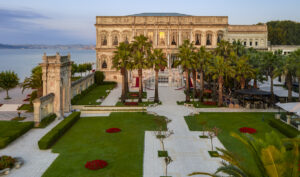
x=72, y=21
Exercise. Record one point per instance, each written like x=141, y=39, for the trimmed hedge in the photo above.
x=19, y=131
x=47, y=120
x=99, y=77
x=82, y=94
x=52, y=136
x=285, y=129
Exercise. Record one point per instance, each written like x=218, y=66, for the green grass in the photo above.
x=87, y=140
x=197, y=104
x=139, y=104
x=163, y=154
x=11, y=130
x=26, y=107
x=95, y=94
x=231, y=122
x=18, y=119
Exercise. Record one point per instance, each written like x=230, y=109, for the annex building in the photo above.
x=167, y=31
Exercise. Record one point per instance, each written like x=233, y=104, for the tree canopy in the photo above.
x=284, y=32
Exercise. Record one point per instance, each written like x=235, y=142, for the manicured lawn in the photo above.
x=231, y=122
x=26, y=107
x=197, y=104
x=87, y=140
x=139, y=104
x=94, y=94
x=11, y=130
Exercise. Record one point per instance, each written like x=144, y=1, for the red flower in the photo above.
x=207, y=91
x=247, y=130
x=113, y=130
x=134, y=95
x=131, y=103
x=209, y=103
x=27, y=99
x=96, y=164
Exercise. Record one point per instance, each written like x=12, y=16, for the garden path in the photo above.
x=36, y=160
x=113, y=97
x=188, y=151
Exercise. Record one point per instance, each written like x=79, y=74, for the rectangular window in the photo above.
x=250, y=43
x=245, y=43
x=256, y=43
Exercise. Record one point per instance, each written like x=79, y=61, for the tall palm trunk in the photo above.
x=140, y=72
x=289, y=86
x=123, y=85
x=299, y=87
x=242, y=83
x=156, y=100
x=255, y=83
x=220, y=82
x=271, y=89
x=202, y=85
x=126, y=83
x=187, y=86
x=194, y=84
x=7, y=94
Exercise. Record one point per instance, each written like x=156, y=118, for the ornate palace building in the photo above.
x=167, y=31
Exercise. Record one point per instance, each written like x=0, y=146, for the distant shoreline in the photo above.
x=37, y=46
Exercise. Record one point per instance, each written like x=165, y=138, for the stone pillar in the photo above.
x=203, y=39
x=179, y=37
x=288, y=119
x=168, y=37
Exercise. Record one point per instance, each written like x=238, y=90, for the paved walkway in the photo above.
x=188, y=151
x=113, y=97
x=16, y=95
x=36, y=161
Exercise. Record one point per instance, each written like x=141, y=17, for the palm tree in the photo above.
x=239, y=48
x=159, y=62
x=270, y=156
x=140, y=51
x=185, y=61
x=202, y=58
x=296, y=56
x=219, y=69
x=120, y=62
x=255, y=60
x=35, y=81
x=243, y=71
x=224, y=49
x=8, y=80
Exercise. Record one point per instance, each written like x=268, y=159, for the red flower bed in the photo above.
x=27, y=99
x=131, y=103
x=96, y=164
x=209, y=103
x=247, y=130
x=134, y=95
x=113, y=130
x=207, y=91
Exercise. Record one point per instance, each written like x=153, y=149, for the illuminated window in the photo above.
x=162, y=38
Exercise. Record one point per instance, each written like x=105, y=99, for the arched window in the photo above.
x=103, y=39
x=198, y=39
x=104, y=64
x=208, y=39
x=220, y=37
x=173, y=37
x=115, y=40
x=126, y=40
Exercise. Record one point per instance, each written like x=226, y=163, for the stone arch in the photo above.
x=209, y=36
x=198, y=37
x=115, y=38
x=103, y=38
x=126, y=36
x=173, y=37
x=103, y=62
x=220, y=36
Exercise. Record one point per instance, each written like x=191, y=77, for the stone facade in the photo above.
x=168, y=32
x=286, y=49
x=57, y=80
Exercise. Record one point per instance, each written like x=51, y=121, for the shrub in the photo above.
x=285, y=129
x=51, y=137
x=47, y=120
x=82, y=94
x=4, y=141
x=99, y=77
x=6, y=162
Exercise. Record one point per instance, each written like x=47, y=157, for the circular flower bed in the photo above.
x=113, y=130
x=6, y=162
x=96, y=164
x=247, y=130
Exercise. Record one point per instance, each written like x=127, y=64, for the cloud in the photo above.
x=29, y=27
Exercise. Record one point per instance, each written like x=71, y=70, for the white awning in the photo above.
x=290, y=107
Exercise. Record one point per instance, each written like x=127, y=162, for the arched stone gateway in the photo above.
x=56, y=87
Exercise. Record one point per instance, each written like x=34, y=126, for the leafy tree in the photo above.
x=219, y=69
x=296, y=56
x=99, y=77
x=35, y=81
x=89, y=67
x=74, y=69
x=284, y=32
x=159, y=62
x=140, y=53
x=120, y=62
x=202, y=59
x=243, y=71
x=186, y=55
x=8, y=80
